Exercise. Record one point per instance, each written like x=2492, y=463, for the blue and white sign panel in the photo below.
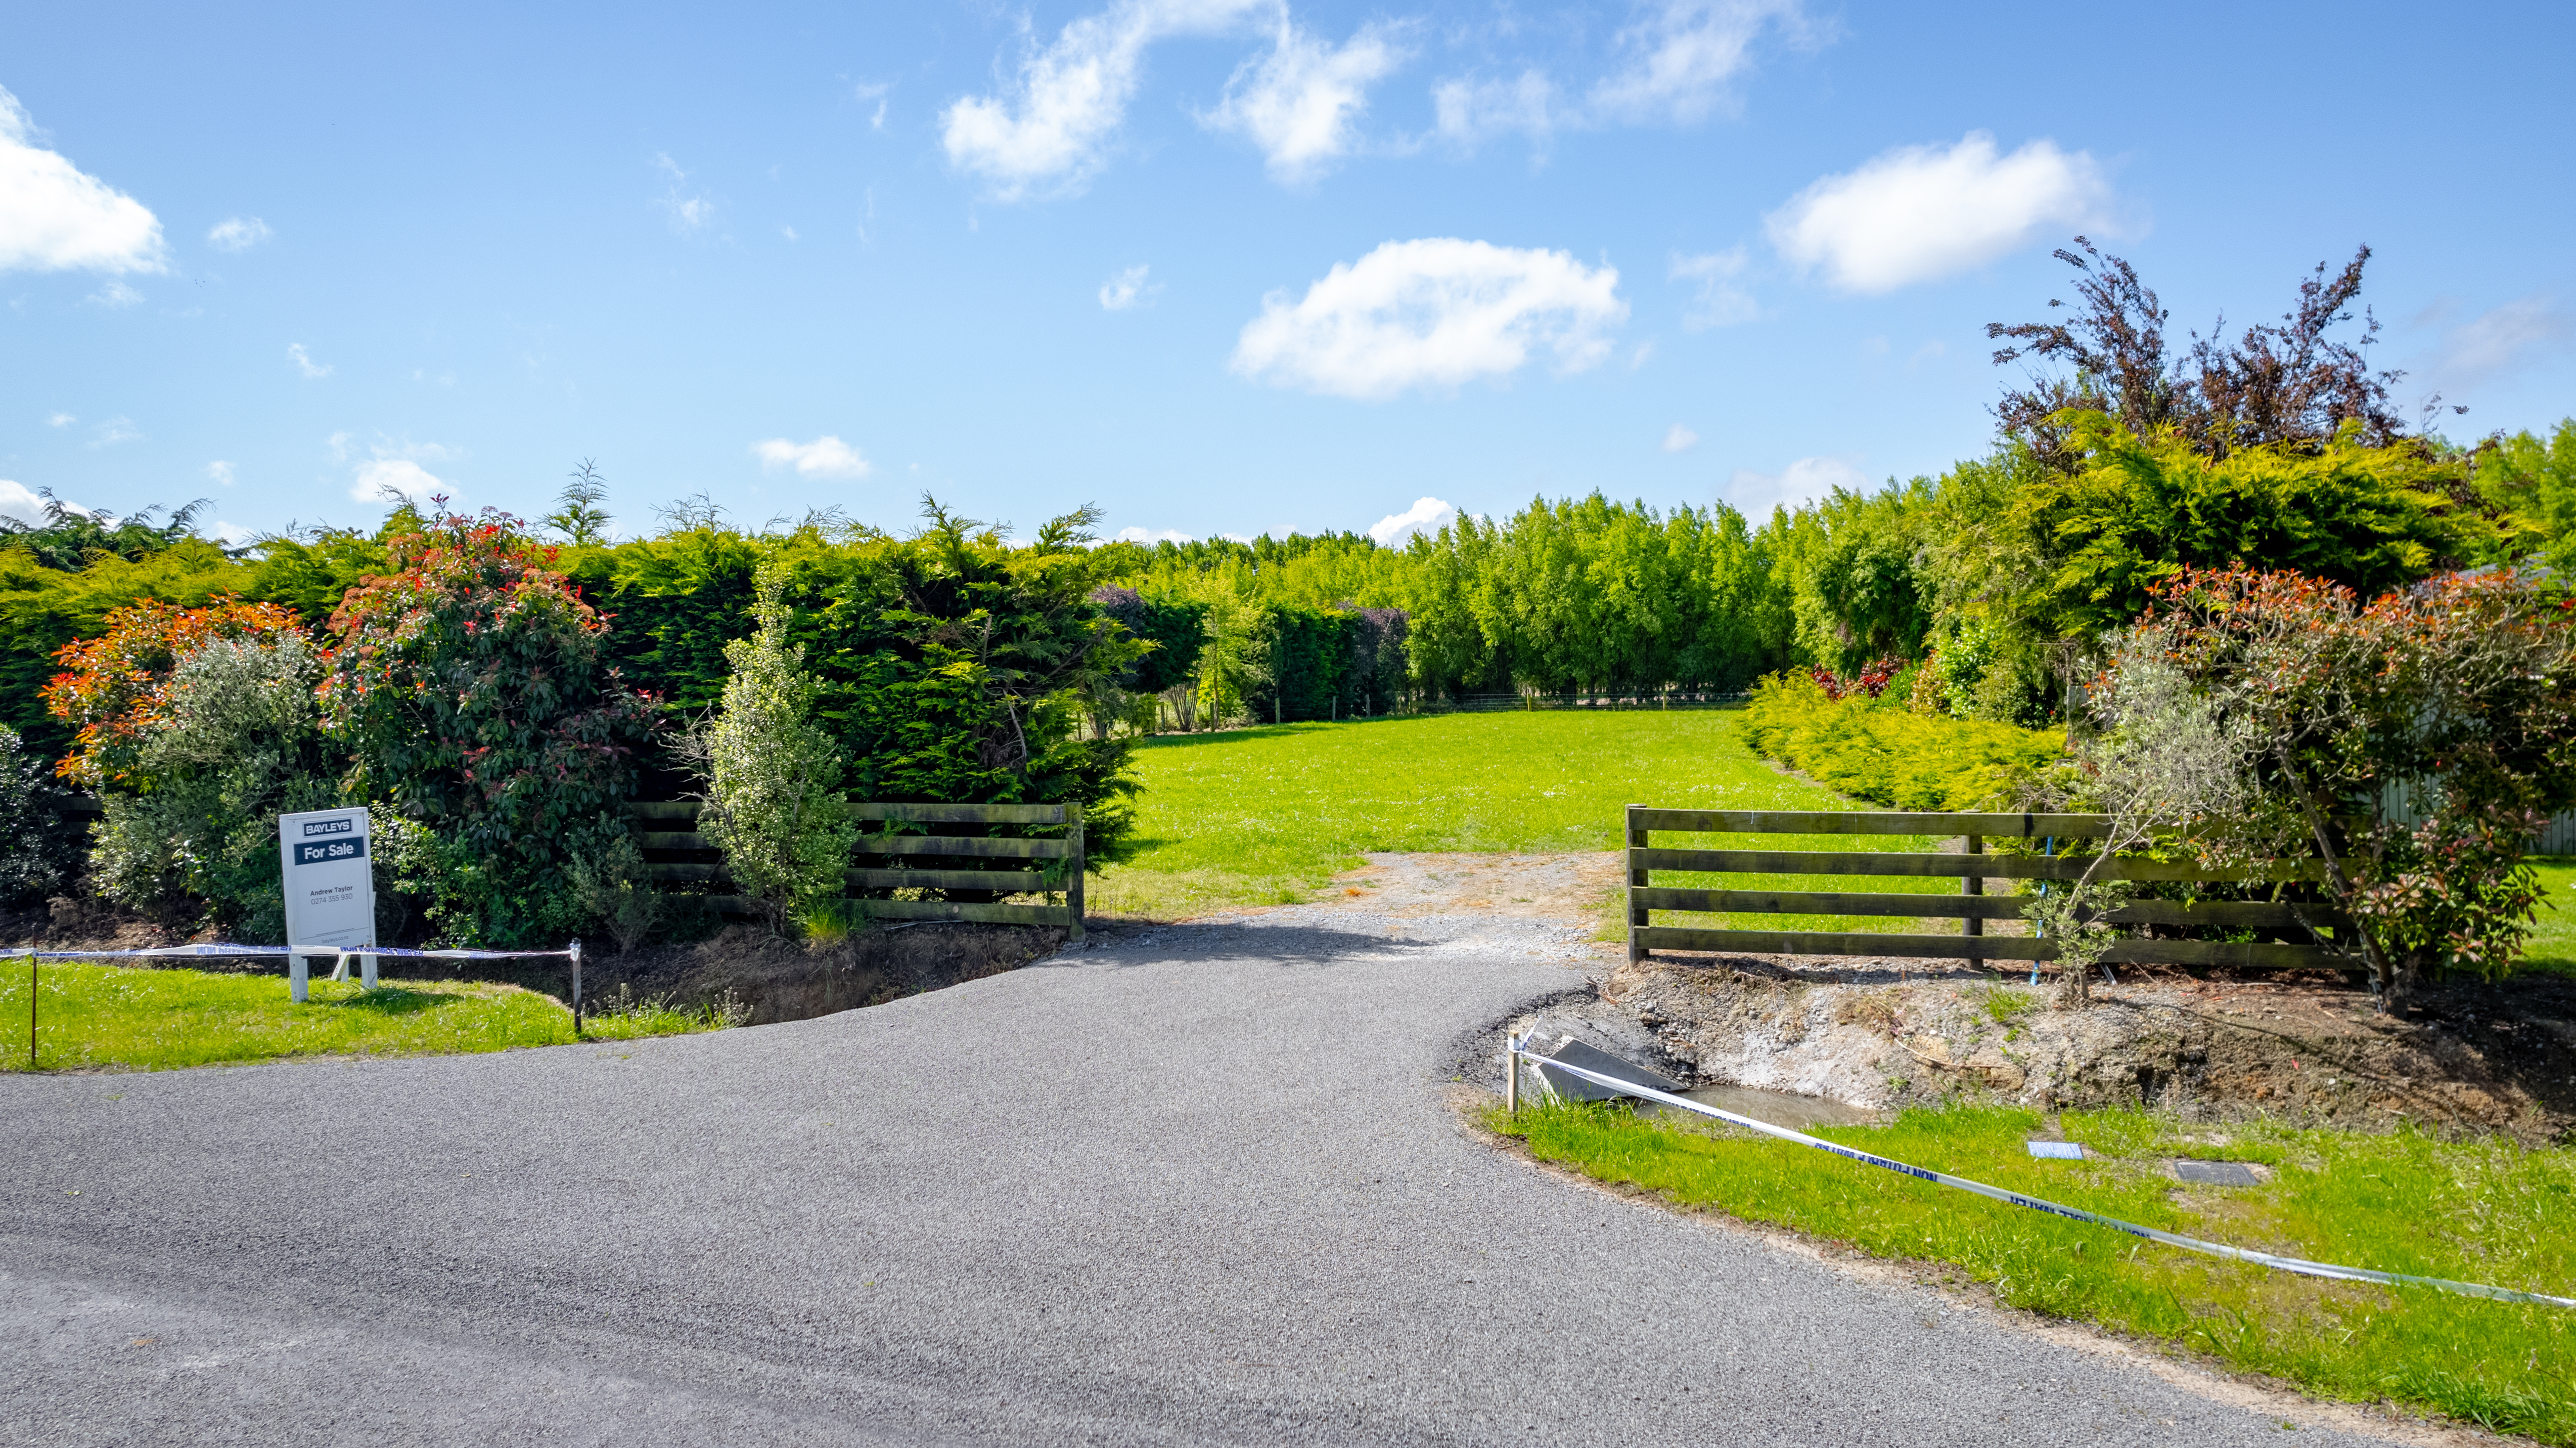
x=330, y=879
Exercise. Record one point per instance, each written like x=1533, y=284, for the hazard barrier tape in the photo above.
x=2189, y=1244
x=223, y=950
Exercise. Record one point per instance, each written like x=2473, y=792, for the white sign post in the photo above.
x=330, y=890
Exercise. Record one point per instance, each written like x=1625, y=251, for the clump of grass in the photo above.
x=2486, y=1211
x=626, y=1016
x=120, y=1017
x=2004, y=1004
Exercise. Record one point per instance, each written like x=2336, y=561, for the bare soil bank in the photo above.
x=1887, y=1033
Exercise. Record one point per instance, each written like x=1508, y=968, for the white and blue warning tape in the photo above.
x=219, y=949
x=2189, y=1244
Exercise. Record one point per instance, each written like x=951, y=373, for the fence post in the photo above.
x=1973, y=885
x=1637, y=880
x=1073, y=881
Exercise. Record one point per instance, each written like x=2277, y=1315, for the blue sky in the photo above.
x=1219, y=266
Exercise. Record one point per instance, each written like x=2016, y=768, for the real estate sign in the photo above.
x=330, y=880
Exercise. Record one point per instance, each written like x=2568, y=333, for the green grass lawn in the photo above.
x=1261, y=816
x=94, y=1016
x=2481, y=1211
x=2553, y=939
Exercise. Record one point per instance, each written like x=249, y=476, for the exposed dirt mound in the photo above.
x=1887, y=1034
x=785, y=980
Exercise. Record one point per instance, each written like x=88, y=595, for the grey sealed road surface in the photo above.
x=1198, y=1187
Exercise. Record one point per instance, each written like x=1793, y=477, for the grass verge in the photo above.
x=2483, y=1211
x=105, y=1016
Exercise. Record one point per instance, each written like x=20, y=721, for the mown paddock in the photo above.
x=1972, y=866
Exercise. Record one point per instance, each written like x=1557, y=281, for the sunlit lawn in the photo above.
x=117, y=1016
x=1262, y=816
x=2481, y=1210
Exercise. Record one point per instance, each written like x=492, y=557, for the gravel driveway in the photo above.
x=1200, y=1185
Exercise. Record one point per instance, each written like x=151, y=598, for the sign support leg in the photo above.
x=298, y=988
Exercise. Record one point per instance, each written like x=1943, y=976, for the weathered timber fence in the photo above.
x=1039, y=875
x=1972, y=907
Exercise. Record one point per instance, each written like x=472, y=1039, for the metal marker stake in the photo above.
x=1511, y=1073
x=31, y=1010
x=575, y=952
x=297, y=976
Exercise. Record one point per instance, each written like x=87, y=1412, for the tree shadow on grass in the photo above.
x=394, y=1000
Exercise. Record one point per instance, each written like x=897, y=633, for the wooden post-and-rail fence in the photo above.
x=2289, y=924
x=910, y=861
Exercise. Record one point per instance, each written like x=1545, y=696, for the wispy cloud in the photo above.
x=59, y=419
x=1681, y=56
x=1720, y=302
x=114, y=431
x=114, y=295
x=304, y=362
x=1301, y=103
x=54, y=217
x=824, y=457
x=689, y=212
x=1468, y=111
x=1680, y=439
x=1427, y=515
x=1432, y=313
x=237, y=233
x=220, y=474
x=1049, y=130
x=1756, y=494
x=1127, y=289
x=1918, y=213
x=1153, y=535
x=2501, y=340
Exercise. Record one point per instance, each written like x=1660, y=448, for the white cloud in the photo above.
x=1680, y=439
x=113, y=431
x=395, y=468
x=2498, y=341
x=1681, y=57
x=1127, y=289
x=19, y=501
x=304, y=362
x=688, y=213
x=234, y=535
x=1432, y=313
x=1920, y=212
x=1050, y=130
x=1427, y=515
x=55, y=218
x=1720, y=303
x=1300, y=103
x=237, y=233
x=1756, y=494
x=824, y=457
x=220, y=473
x=380, y=478
x=59, y=419
x=1469, y=112
x=116, y=294
x=1157, y=535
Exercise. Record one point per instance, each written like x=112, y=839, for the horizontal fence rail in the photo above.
x=1972, y=907
x=667, y=827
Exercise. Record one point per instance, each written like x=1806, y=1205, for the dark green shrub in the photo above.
x=474, y=687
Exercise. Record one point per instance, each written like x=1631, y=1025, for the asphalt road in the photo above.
x=1203, y=1187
